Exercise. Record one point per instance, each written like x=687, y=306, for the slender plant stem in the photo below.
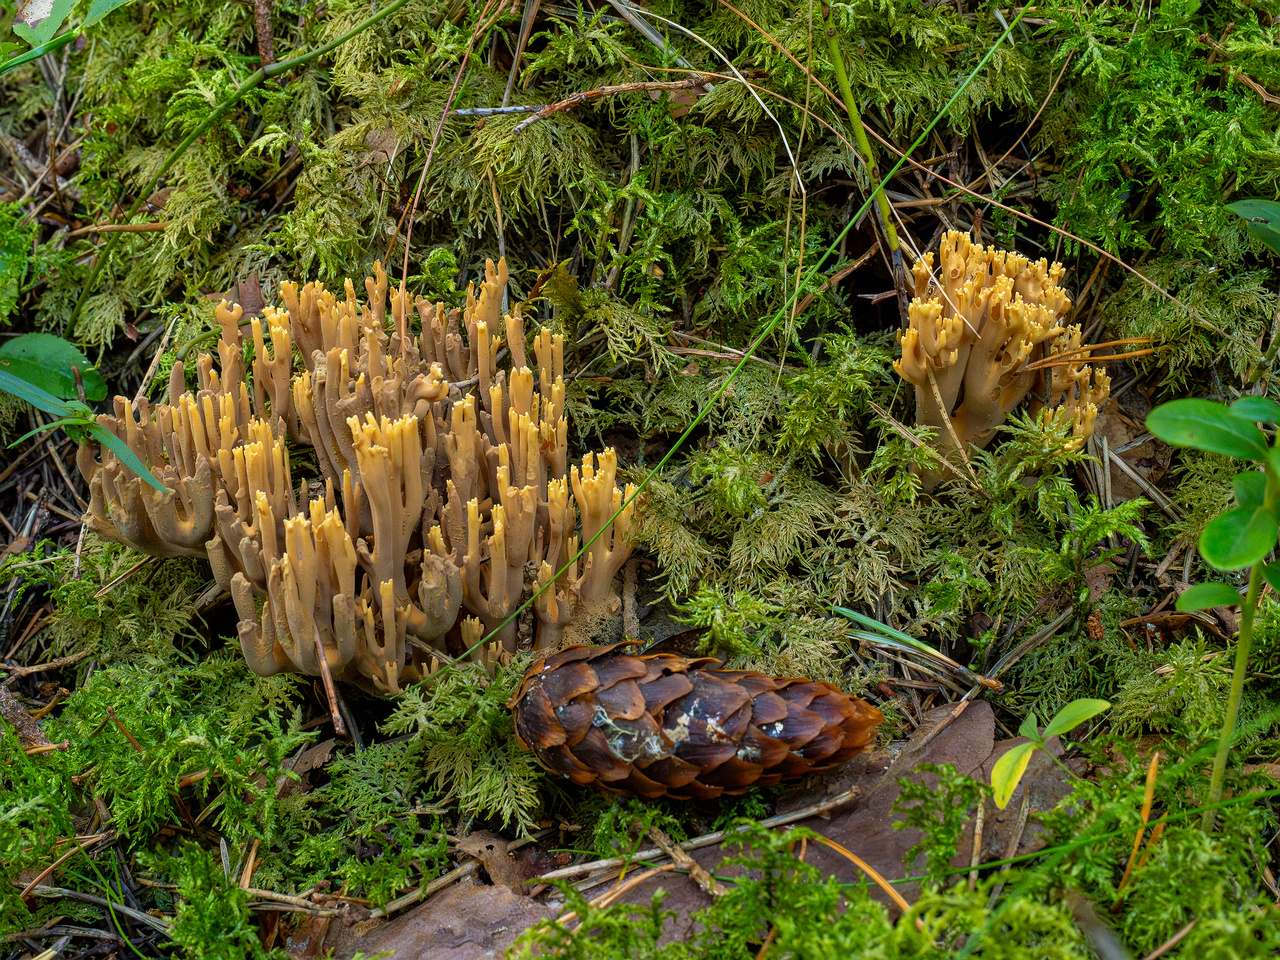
x=253, y=80
x=864, y=145
x=1237, y=690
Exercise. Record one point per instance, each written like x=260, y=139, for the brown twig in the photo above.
x=262, y=29
x=836, y=277
x=587, y=96
x=80, y=847
x=1169, y=944
x=111, y=712
x=47, y=748
x=421, y=893
x=20, y=672
x=331, y=692
x=705, y=840
x=976, y=856
x=697, y=872
x=102, y=592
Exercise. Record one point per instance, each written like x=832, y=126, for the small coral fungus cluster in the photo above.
x=969, y=350
x=444, y=483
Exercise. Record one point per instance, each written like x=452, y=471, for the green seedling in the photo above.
x=1008, y=771
x=1242, y=537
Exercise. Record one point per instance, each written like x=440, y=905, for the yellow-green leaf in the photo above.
x=1008, y=771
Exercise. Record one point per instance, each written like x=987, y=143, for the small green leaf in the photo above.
x=1209, y=426
x=1008, y=771
x=1073, y=714
x=1262, y=409
x=38, y=398
x=1271, y=572
x=99, y=9
x=1263, y=220
x=1205, y=595
x=1239, y=538
x=1250, y=488
x=1030, y=728
x=46, y=361
x=127, y=456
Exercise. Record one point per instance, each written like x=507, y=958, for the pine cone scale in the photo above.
x=575, y=717
x=661, y=725
x=569, y=681
x=538, y=723
x=622, y=702
x=662, y=691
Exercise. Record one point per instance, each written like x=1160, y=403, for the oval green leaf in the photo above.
x=1262, y=409
x=1008, y=771
x=1263, y=220
x=45, y=361
x=1073, y=714
x=1209, y=426
x=1239, y=538
x=1030, y=728
x=1250, y=488
x=1271, y=571
x=1205, y=595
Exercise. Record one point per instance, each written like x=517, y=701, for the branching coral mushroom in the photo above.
x=444, y=484
x=975, y=326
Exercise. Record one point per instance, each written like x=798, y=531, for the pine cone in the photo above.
x=661, y=725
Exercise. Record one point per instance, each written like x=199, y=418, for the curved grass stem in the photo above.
x=864, y=147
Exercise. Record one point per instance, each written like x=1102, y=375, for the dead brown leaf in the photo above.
x=491, y=850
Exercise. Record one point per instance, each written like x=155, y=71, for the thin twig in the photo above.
x=117, y=228
x=331, y=691
x=54, y=893
x=111, y=712
x=1169, y=944
x=587, y=96
x=697, y=843
x=262, y=28
x=421, y=893
x=697, y=872
x=80, y=847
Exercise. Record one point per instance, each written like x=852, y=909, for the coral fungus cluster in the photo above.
x=444, y=487
x=975, y=324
